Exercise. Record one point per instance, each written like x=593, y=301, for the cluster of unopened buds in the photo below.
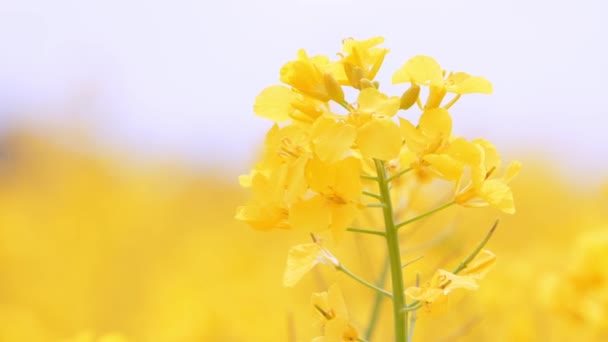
x=328, y=159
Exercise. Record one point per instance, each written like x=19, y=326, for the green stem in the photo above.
x=365, y=231
x=476, y=251
x=419, y=217
x=375, y=315
x=346, y=271
x=399, y=174
x=376, y=205
x=373, y=195
x=368, y=177
x=394, y=255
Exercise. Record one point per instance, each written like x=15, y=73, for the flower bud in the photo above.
x=354, y=74
x=334, y=90
x=409, y=97
x=365, y=83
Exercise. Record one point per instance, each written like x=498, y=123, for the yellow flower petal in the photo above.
x=347, y=183
x=331, y=139
x=274, y=103
x=310, y=215
x=498, y=195
x=302, y=258
x=463, y=83
x=342, y=217
x=481, y=265
x=445, y=166
x=372, y=101
x=379, y=138
x=419, y=69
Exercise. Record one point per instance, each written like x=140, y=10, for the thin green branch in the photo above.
x=376, y=205
x=366, y=231
x=419, y=217
x=478, y=249
x=346, y=271
x=369, y=177
x=411, y=261
x=398, y=174
x=373, y=195
x=415, y=306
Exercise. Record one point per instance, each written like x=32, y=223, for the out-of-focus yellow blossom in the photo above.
x=303, y=258
x=312, y=76
x=332, y=315
x=89, y=337
x=471, y=165
x=580, y=292
x=266, y=209
x=440, y=285
x=286, y=153
x=434, y=293
x=480, y=266
x=362, y=60
x=426, y=71
x=279, y=104
x=335, y=203
x=483, y=190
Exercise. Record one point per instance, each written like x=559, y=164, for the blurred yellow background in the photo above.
x=94, y=247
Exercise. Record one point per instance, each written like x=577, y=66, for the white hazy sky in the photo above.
x=182, y=75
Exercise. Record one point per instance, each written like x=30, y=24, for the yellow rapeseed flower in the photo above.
x=362, y=60
x=438, y=288
x=312, y=76
x=334, y=205
x=424, y=70
x=332, y=315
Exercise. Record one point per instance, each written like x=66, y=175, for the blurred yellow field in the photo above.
x=93, y=246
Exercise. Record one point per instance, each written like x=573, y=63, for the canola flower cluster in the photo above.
x=329, y=160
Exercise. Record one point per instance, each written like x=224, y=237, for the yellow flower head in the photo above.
x=267, y=208
x=438, y=288
x=424, y=70
x=362, y=60
x=312, y=77
x=334, y=205
x=332, y=315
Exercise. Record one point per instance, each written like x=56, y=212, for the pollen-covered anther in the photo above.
x=289, y=150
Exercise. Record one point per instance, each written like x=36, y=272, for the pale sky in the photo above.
x=181, y=76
